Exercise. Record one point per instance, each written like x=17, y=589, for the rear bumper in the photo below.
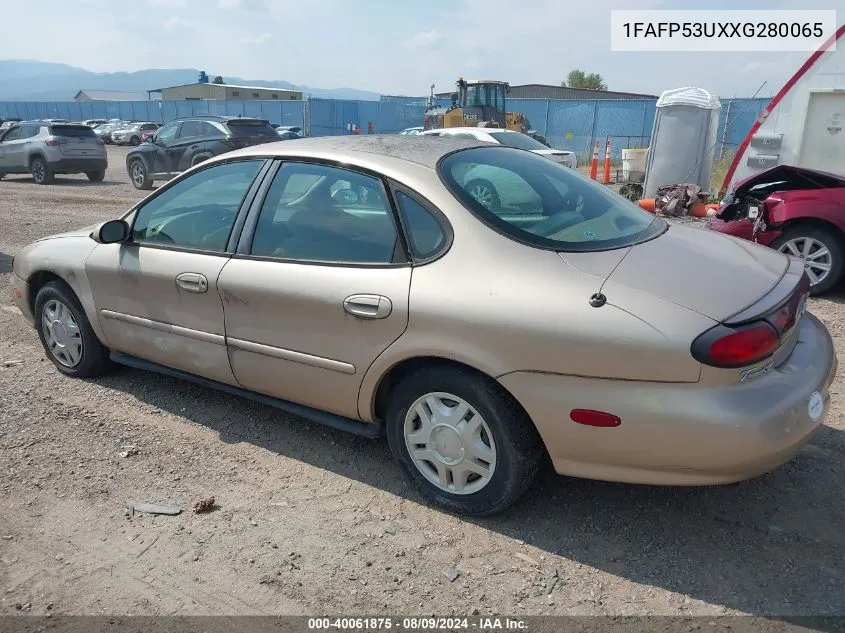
x=79, y=164
x=683, y=434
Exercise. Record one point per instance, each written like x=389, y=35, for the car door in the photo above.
x=181, y=151
x=164, y=139
x=156, y=295
x=319, y=287
x=7, y=149
x=18, y=148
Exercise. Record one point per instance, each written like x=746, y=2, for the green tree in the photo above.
x=579, y=79
x=218, y=79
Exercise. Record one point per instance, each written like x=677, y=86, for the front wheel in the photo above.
x=139, y=175
x=819, y=249
x=462, y=440
x=66, y=333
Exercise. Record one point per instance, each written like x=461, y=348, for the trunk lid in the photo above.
x=77, y=140
x=713, y=274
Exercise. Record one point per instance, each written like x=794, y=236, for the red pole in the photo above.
x=606, y=175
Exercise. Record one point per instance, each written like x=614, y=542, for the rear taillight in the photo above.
x=53, y=142
x=737, y=348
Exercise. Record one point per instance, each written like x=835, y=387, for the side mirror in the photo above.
x=753, y=213
x=150, y=139
x=111, y=232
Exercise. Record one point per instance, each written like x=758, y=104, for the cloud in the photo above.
x=424, y=39
x=228, y=4
x=174, y=23
x=255, y=39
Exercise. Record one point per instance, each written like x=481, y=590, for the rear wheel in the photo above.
x=96, y=176
x=139, y=175
x=67, y=335
x=463, y=441
x=485, y=193
x=819, y=249
x=41, y=172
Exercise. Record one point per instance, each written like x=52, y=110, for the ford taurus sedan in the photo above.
x=357, y=282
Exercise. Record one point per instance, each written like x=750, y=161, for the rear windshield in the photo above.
x=254, y=127
x=537, y=202
x=73, y=131
x=515, y=139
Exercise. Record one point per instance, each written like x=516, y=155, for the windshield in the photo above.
x=540, y=203
x=515, y=139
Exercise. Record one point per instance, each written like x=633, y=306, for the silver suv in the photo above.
x=44, y=149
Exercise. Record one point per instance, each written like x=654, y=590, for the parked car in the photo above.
x=510, y=138
x=94, y=122
x=131, y=134
x=411, y=131
x=185, y=142
x=288, y=136
x=7, y=123
x=795, y=210
x=46, y=149
x=105, y=130
x=296, y=129
x=356, y=282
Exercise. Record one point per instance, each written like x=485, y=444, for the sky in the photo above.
x=387, y=46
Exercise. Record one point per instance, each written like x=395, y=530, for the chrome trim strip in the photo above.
x=295, y=357
x=205, y=337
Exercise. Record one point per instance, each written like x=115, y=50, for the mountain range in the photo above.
x=30, y=80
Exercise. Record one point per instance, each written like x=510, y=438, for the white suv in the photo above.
x=509, y=138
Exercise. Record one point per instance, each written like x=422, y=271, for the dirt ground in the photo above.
x=312, y=521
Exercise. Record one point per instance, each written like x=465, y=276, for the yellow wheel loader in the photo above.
x=476, y=104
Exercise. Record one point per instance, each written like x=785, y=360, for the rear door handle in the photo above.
x=192, y=282
x=368, y=306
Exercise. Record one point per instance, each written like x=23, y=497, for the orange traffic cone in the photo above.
x=594, y=168
x=606, y=174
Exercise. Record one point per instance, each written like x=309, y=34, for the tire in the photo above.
x=41, y=172
x=134, y=141
x=793, y=241
x=75, y=351
x=96, y=176
x=505, y=441
x=196, y=160
x=2, y=176
x=139, y=175
x=484, y=190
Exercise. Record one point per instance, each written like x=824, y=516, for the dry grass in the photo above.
x=719, y=171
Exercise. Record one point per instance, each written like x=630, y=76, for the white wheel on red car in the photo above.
x=820, y=250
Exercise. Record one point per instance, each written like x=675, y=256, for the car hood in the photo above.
x=713, y=274
x=83, y=232
x=778, y=173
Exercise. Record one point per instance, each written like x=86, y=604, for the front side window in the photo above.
x=199, y=211
x=540, y=203
x=168, y=132
x=321, y=213
x=12, y=135
x=191, y=129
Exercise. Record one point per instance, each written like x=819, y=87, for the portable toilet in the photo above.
x=686, y=123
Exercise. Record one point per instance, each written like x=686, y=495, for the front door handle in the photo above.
x=368, y=306
x=192, y=282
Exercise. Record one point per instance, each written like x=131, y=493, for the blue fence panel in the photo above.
x=570, y=125
x=567, y=124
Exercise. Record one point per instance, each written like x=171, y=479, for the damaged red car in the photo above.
x=797, y=211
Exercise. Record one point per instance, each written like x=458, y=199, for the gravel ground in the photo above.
x=311, y=520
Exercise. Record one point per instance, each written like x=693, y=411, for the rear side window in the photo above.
x=425, y=233
x=251, y=127
x=72, y=131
